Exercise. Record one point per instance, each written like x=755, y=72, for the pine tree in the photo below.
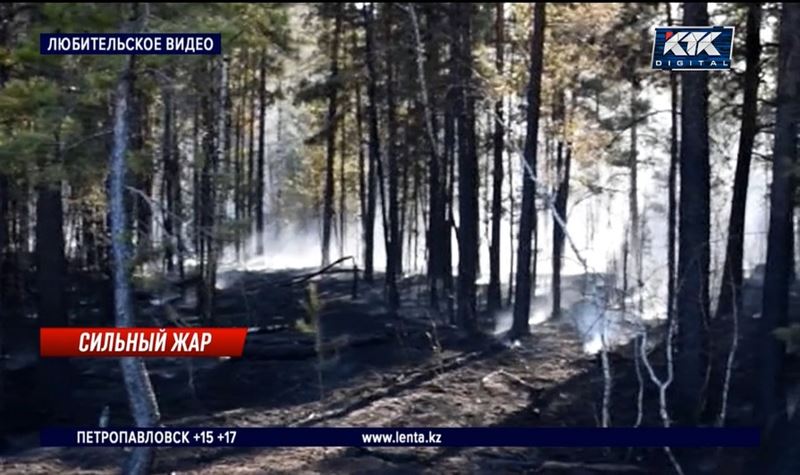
x=693, y=232
x=732, y=268
x=777, y=274
x=333, y=87
x=494, y=296
x=137, y=381
x=525, y=280
x=462, y=18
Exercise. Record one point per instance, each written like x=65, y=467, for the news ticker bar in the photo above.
x=403, y=437
x=130, y=43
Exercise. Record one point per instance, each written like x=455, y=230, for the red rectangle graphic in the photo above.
x=148, y=342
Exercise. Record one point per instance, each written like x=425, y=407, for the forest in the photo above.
x=425, y=214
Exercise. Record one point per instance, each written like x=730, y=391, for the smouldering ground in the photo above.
x=408, y=379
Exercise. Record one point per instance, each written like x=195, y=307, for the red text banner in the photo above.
x=154, y=342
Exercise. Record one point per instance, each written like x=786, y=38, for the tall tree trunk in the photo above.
x=141, y=397
x=206, y=203
x=24, y=229
x=6, y=272
x=450, y=167
x=259, y=177
x=777, y=274
x=732, y=270
x=693, y=236
x=439, y=233
x=559, y=233
x=392, y=254
x=449, y=163
x=362, y=166
x=51, y=281
x=468, y=210
x=251, y=144
x=219, y=132
x=177, y=202
x=143, y=180
x=374, y=143
x=213, y=105
x=672, y=187
x=494, y=296
x=485, y=177
x=342, y=179
x=404, y=168
x=415, y=207
x=226, y=128
x=511, y=206
x=427, y=61
x=238, y=183
x=4, y=240
x=171, y=179
x=527, y=221
x=333, y=88
x=196, y=182
x=379, y=174
x=635, y=245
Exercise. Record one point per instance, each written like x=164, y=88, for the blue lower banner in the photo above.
x=405, y=436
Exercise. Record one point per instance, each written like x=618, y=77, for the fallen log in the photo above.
x=258, y=284
x=302, y=277
x=328, y=269
x=299, y=279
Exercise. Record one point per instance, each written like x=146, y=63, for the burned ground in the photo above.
x=415, y=370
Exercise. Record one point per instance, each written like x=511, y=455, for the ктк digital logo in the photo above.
x=692, y=48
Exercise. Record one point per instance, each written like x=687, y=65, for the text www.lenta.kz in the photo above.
x=400, y=437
